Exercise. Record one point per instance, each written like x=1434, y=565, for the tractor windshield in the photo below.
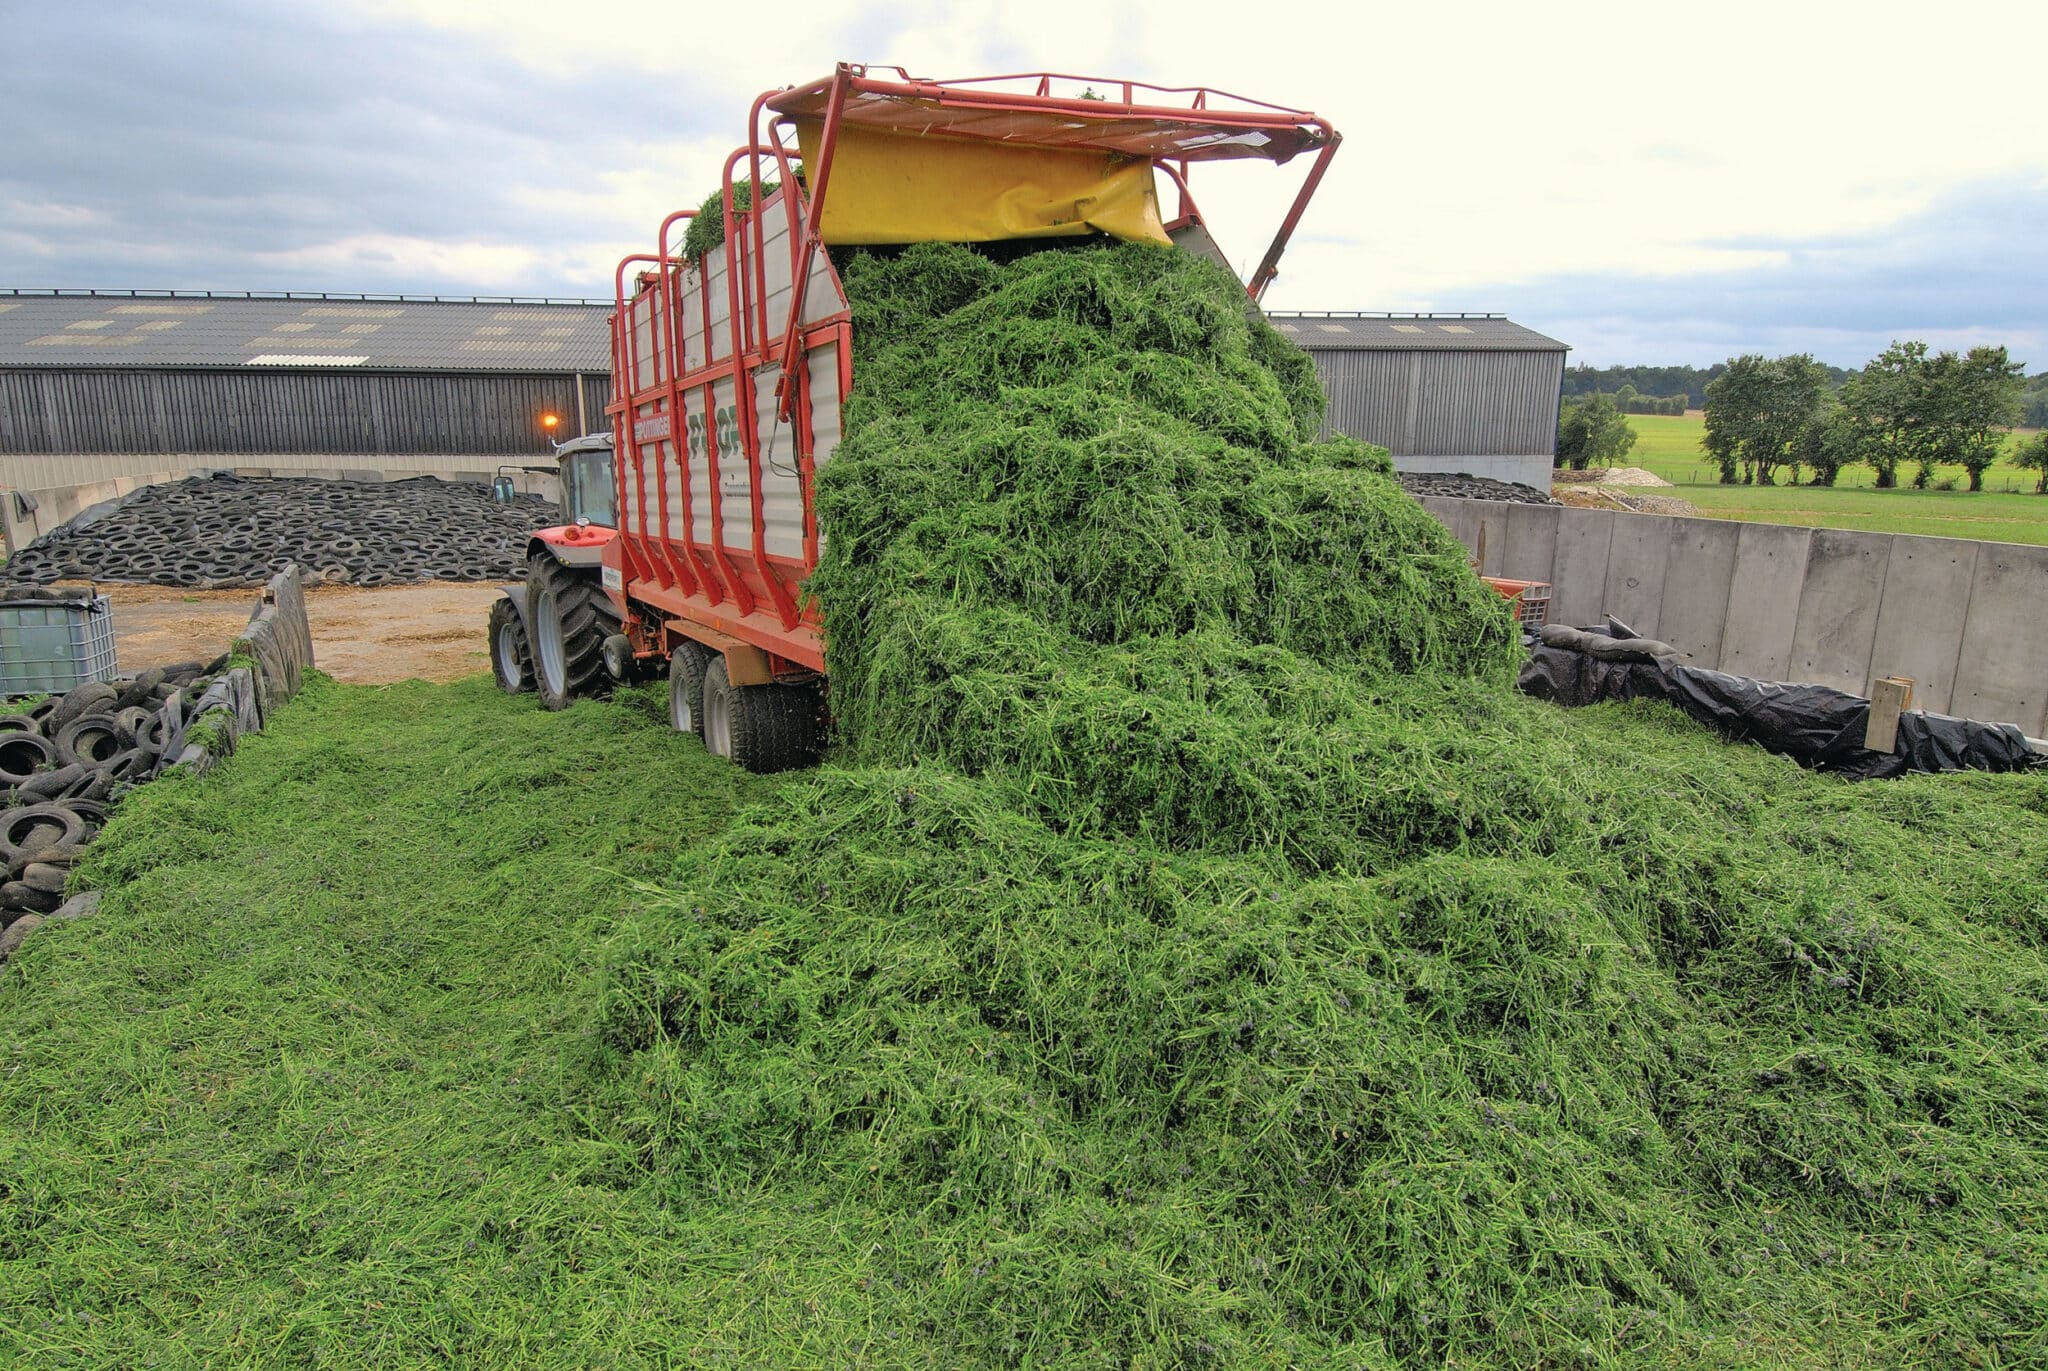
x=587, y=491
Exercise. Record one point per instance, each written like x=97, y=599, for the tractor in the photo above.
x=549, y=635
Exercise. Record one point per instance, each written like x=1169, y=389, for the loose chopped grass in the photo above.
x=1214, y=962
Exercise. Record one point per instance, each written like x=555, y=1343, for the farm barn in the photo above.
x=1475, y=393
x=92, y=381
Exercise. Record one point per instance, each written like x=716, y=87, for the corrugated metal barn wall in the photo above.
x=1442, y=402
x=73, y=410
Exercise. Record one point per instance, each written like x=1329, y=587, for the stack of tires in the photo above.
x=65, y=758
x=215, y=532
x=559, y=637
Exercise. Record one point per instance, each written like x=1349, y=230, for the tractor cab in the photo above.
x=588, y=495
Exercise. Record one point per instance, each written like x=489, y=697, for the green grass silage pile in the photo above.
x=1202, y=956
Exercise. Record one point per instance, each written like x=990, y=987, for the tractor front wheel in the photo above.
x=764, y=727
x=570, y=619
x=511, y=654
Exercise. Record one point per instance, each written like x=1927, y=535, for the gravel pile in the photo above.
x=1460, y=486
x=222, y=532
x=1631, y=476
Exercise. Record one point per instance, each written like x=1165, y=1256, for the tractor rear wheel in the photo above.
x=570, y=618
x=686, y=668
x=765, y=727
x=511, y=654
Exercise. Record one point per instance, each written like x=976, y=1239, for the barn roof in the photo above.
x=1411, y=332
x=215, y=329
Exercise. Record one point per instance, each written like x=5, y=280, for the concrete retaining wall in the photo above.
x=1967, y=621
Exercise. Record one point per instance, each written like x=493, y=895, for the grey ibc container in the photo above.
x=47, y=646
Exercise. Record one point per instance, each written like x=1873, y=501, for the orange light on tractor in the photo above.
x=551, y=422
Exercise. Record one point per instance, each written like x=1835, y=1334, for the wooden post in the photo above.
x=1889, y=697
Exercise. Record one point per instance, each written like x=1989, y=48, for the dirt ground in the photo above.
x=432, y=632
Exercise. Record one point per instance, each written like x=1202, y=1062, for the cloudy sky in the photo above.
x=1647, y=183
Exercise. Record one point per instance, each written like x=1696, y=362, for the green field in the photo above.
x=2005, y=511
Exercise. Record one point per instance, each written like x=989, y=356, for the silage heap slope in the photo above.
x=1205, y=955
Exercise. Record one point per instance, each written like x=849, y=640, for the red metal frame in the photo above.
x=739, y=588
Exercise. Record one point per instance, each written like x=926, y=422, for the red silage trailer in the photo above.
x=730, y=370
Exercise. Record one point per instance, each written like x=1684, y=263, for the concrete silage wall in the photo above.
x=1823, y=606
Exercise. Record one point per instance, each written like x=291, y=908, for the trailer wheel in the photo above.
x=686, y=668
x=763, y=728
x=570, y=618
x=511, y=654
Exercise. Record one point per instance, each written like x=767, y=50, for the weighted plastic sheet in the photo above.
x=1816, y=726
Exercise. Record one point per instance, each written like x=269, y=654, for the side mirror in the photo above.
x=502, y=491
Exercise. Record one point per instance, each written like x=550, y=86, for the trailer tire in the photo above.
x=511, y=653
x=568, y=618
x=763, y=728
x=686, y=668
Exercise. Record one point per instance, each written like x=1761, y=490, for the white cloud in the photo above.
x=1487, y=143
x=49, y=214
x=466, y=266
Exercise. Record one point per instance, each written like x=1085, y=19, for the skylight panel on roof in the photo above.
x=280, y=359
x=350, y=312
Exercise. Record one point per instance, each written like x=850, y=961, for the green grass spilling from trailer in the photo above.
x=1211, y=959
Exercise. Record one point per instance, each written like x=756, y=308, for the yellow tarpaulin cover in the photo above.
x=900, y=188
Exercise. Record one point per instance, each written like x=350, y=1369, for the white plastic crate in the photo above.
x=49, y=646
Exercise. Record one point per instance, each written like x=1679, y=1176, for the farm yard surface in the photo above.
x=2005, y=511
x=1193, y=953
x=430, y=632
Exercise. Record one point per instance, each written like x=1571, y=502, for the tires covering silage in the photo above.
x=1201, y=956
x=226, y=531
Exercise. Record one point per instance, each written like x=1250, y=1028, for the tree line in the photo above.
x=1908, y=410
x=1637, y=390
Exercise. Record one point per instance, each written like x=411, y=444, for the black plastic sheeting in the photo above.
x=1816, y=726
